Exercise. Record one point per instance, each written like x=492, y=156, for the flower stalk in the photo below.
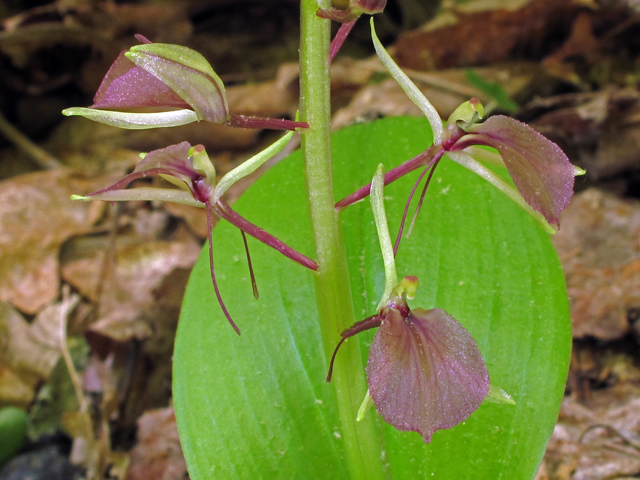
x=333, y=293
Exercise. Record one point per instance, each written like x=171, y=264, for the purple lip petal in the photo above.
x=127, y=86
x=540, y=170
x=425, y=372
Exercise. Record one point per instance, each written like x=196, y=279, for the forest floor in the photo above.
x=569, y=68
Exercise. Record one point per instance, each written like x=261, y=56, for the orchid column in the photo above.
x=333, y=292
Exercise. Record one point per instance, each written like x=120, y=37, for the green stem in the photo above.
x=333, y=292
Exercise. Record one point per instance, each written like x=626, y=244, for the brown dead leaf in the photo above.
x=542, y=474
x=194, y=217
x=599, y=130
x=273, y=98
x=157, y=454
x=480, y=37
x=36, y=217
x=600, y=440
x=14, y=389
x=599, y=249
x=126, y=304
x=46, y=327
x=445, y=89
x=581, y=43
x=20, y=348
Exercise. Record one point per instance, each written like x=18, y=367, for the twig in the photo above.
x=40, y=156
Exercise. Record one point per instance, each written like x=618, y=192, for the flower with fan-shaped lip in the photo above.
x=425, y=371
x=163, y=85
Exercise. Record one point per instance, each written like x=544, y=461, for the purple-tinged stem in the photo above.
x=341, y=36
x=425, y=158
x=368, y=323
x=259, y=123
x=424, y=191
x=223, y=209
x=254, y=285
x=213, y=275
x=406, y=210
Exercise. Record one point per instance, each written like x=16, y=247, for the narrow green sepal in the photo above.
x=249, y=166
x=577, y=171
x=380, y=218
x=366, y=405
x=499, y=396
x=464, y=159
x=84, y=198
x=134, y=121
x=412, y=91
x=145, y=194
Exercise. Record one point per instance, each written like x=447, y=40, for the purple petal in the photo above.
x=540, y=170
x=126, y=86
x=174, y=158
x=425, y=372
x=172, y=161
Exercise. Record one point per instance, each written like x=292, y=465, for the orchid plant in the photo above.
x=258, y=406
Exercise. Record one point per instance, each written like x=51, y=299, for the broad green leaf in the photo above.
x=257, y=406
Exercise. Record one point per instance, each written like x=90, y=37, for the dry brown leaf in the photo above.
x=194, y=217
x=127, y=301
x=599, y=130
x=480, y=37
x=158, y=454
x=21, y=350
x=36, y=217
x=46, y=327
x=273, y=98
x=599, y=249
x=14, y=389
x=600, y=440
x=446, y=90
x=581, y=43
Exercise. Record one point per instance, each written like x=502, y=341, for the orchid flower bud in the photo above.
x=162, y=85
x=157, y=85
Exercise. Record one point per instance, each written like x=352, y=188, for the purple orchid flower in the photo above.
x=162, y=85
x=541, y=172
x=191, y=169
x=425, y=371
